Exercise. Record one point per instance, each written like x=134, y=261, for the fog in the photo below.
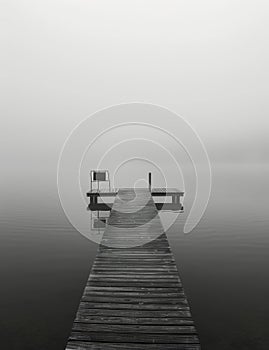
x=63, y=60
x=207, y=61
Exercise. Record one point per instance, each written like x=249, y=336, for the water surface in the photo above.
x=223, y=263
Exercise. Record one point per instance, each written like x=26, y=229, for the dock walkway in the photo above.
x=134, y=298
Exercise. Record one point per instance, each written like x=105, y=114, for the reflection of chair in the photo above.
x=99, y=222
x=99, y=176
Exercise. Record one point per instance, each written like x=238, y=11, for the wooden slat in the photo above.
x=146, y=276
x=121, y=306
x=133, y=289
x=131, y=320
x=149, y=338
x=80, y=345
x=120, y=294
x=114, y=270
x=176, y=314
x=134, y=298
x=144, y=283
x=133, y=328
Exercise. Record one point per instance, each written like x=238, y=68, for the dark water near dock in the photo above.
x=223, y=263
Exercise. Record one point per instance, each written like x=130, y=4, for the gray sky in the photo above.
x=63, y=60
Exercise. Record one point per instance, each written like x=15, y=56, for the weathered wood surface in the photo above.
x=155, y=191
x=174, y=193
x=134, y=298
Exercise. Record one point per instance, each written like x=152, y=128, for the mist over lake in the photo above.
x=223, y=264
x=63, y=61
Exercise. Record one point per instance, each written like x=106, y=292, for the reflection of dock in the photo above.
x=134, y=298
x=98, y=199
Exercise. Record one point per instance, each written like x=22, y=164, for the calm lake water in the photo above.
x=45, y=262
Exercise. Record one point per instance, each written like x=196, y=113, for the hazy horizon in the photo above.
x=61, y=62
x=207, y=61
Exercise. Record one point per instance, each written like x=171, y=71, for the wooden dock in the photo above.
x=172, y=193
x=134, y=298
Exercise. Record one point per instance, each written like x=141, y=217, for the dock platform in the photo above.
x=173, y=193
x=134, y=298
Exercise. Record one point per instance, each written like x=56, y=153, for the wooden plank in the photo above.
x=80, y=345
x=144, y=283
x=136, y=263
x=127, y=276
x=136, y=274
x=134, y=313
x=135, y=337
x=121, y=294
x=133, y=328
x=131, y=320
x=134, y=298
x=142, y=289
x=147, y=269
x=182, y=305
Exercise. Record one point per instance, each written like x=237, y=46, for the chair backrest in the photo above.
x=99, y=176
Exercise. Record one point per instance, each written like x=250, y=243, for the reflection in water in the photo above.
x=45, y=262
x=98, y=221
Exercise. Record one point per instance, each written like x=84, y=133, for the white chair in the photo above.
x=99, y=176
